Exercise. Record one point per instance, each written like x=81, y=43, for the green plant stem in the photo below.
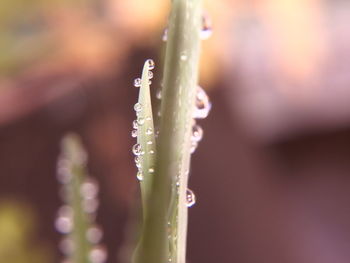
x=73, y=152
x=173, y=144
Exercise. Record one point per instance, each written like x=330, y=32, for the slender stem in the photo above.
x=173, y=145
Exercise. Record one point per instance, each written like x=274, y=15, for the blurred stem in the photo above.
x=74, y=153
x=167, y=200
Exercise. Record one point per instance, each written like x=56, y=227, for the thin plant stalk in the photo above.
x=165, y=225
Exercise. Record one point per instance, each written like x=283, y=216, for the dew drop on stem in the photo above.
x=89, y=189
x=202, y=104
x=165, y=35
x=139, y=175
x=150, y=63
x=140, y=121
x=137, y=82
x=98, y=254
x=134, y=133
x=66, y=246
x=135, y=124
x=64, y=224
x=197, y=133
x=159, y=94
x=190, y=198
x=137, y=149
x=138, y=107
x=94, y=234
x=206, y=30
x=193, y=147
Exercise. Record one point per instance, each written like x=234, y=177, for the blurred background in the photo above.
x=271, y=175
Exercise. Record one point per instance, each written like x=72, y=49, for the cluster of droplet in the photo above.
x=137, y=149
x=64, y=222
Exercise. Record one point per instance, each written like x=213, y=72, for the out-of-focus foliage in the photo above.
x=17, y=225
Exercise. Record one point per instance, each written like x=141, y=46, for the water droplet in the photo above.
x=165, y=35
x=151, y=170
x=151, y=64
x=135, y=124
x=150, y=74
x=137, y=149
x=138, y=162
x=63, y=171
x=151, y=152
x=90, y=205
x=134, y=133
x=149, y=131
x=193, y=147
x=64, y=224
x=190, y=198
x=207, y=30
x=66, y=245
x=140, y=121
x=65, y=211
x=159, y=94
x=197, y=133
x=148, y=118
x=89, y=189
x=183, y=57
x=98, y=254
x=149, y=142
x=138, y=107
x=202, y=104
x=137, y=82
x=94, y=234
x=139, y=175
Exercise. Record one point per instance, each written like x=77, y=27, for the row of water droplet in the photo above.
x=64, y=222
x=137, y=149
x=200, y=111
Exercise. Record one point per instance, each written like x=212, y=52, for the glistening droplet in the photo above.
x=139, y=175
x=135, y=124
x=183, y=57
x=138, y=162
x=151, y=64
x=94, y=234
x=165, y=35
x=138, y=107
x=190, y=198
x=150, y=74
x=137, y=82
x=98, y=254
x=90, y=205
x=64, y=224
x=89, y=188
x=137, y=149
x=134, y=133
x=149, y=131
x=197, y=133
x=202, y=104
x=159, y=94
x=193, y=147
x=206, y=30
x=140, y=121
x=66, y=246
